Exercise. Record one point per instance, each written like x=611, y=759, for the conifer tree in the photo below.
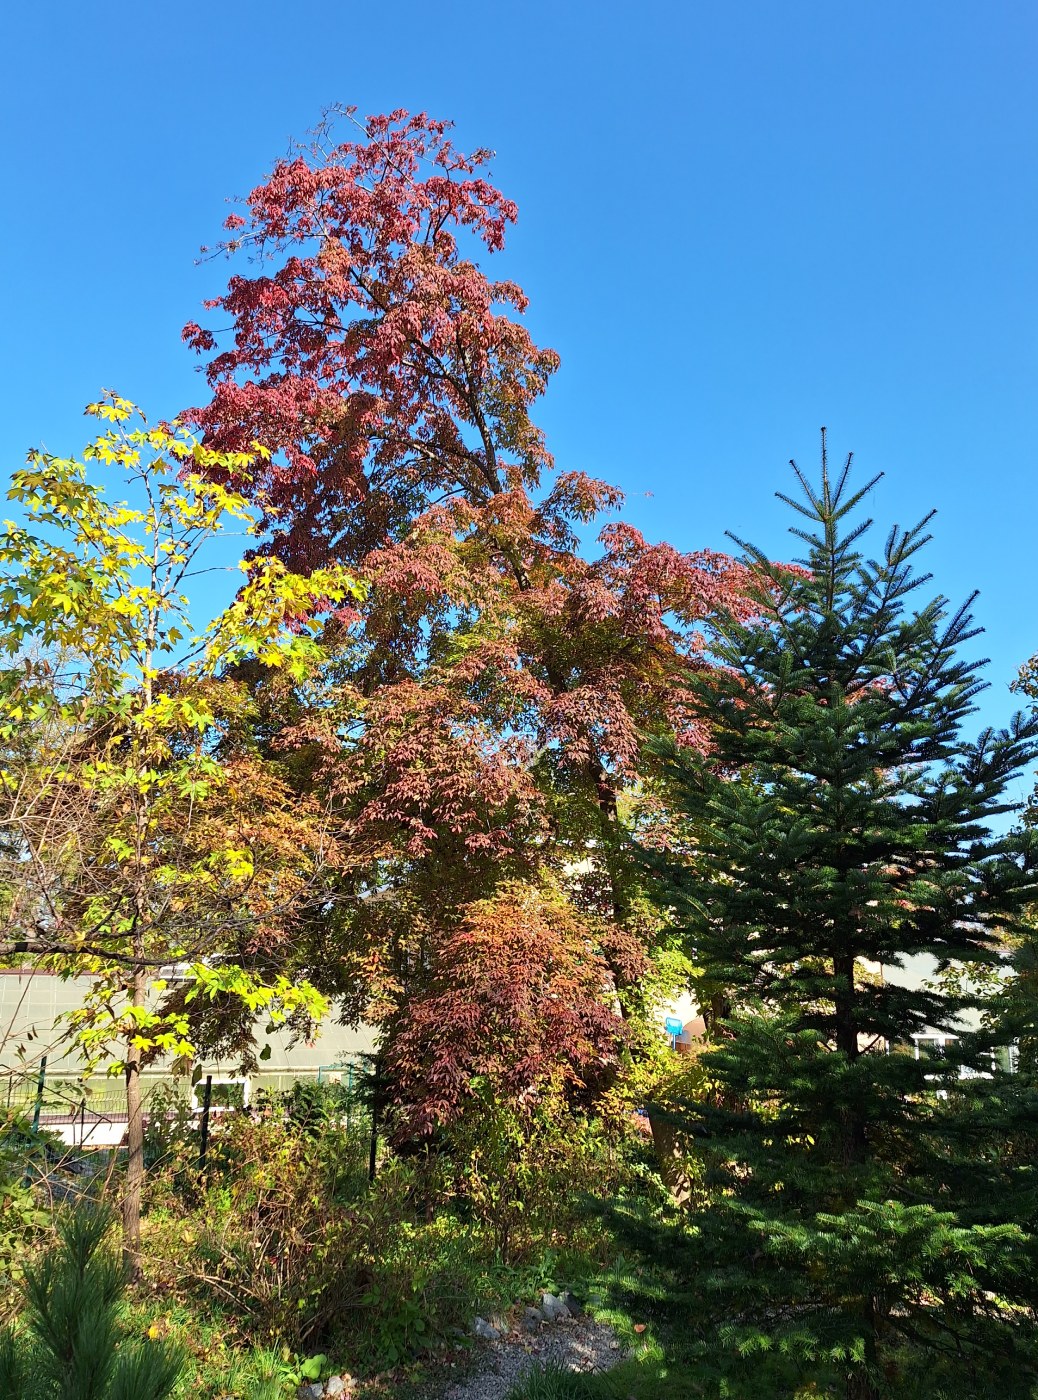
x=838, y=842
x=72, y=1345
x=1014, y=1014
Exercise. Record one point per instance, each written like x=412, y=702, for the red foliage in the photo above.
x=431, y=766
x=519, y=996
x=372, y=355
x=500, y=681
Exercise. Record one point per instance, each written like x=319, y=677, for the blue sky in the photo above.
x=738, y=221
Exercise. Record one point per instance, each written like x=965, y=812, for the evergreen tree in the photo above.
x=865, y=1232
x=73, y=1347
x=1014, y=1014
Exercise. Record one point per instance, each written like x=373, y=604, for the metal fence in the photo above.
x=65, y=1108
x=86, y=1116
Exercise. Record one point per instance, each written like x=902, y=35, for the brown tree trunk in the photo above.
x=133, y=1184
x=666, y=1144
x=861, y=1387
x=855, y=1145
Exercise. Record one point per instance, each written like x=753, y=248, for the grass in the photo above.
x=638, y=1378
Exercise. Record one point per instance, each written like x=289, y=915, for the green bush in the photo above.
x=521, y=1174
x=315, y=1107
x=270, y=1234
x=171, y=1140
x=286, y=1236
x=23, y=1219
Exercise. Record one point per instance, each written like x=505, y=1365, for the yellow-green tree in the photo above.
x=140, y=829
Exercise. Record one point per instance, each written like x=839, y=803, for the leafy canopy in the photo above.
x=131, y=827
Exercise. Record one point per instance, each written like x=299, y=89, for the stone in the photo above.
x=336, y=1386
x=575, y=1309
x=532, y=1319
x=554, y=1309
x=484, y=1329
x=312, y=1391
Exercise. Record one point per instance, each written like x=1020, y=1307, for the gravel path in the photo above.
x=578, y=1344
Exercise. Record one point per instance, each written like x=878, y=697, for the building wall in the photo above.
x=33, y=1002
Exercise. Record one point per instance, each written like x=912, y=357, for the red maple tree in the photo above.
x=498, y=682
x=519, y=994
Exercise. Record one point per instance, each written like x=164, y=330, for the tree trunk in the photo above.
x=861, y=1387
x=133, y=1186
x=853, y=1130
x=666, y=1144
x=665, y=1138
x=134, y=1182
x=860, y=1383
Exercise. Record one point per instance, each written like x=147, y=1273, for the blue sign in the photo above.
x=674, y=1025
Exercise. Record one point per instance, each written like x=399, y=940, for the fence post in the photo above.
x=39, y=1094
x=207, y=1098
x=376, y=1104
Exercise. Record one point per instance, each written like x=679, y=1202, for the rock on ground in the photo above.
x=576, y=1345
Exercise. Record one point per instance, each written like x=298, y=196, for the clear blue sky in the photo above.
x=738, y=221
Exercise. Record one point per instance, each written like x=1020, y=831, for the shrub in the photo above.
x=171, y=1143
x=514, y=1169
x=288, y=1236
x=272, y=1236
x=315, y=1107
x=23, y=1220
